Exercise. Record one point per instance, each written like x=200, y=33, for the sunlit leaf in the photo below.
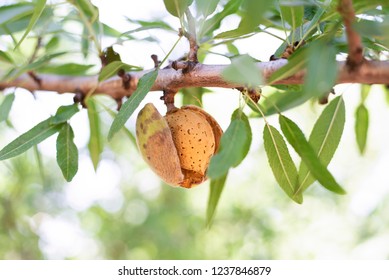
x=6, y=106
x=215, y=190
x=177, y=7
x=38, y=9
x=234, y=146
x=243, y=70
x=361, y=126
x=67, y=152
x=30, y=138
x=64, y=113
x=144, y=85
x=95, y=144
x=297, y=139
x=324, y=139
x=281, y=163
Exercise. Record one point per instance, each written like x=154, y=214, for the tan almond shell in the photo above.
x=156, y=145
x=196, y=136
x=217, y=130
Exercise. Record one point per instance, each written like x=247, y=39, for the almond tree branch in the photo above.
x=355, y=49
x=202, y=75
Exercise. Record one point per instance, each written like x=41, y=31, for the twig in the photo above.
x=355, y=49
x=191, y=36
x=168, y=98
x=36, y=49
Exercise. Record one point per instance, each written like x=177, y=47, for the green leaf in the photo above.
x=193, y=95
x=293, y=15
x=4, y=57
x=52, y=44
x=64, y=113
x=68, y=69
x=361, y=126
x=365, y=90
x=177, y=7
x=113, y=114
x=112, y=69
x=146, y=25
x=88, y=9
x=67, y=153
x=213, y=22
x=144, y=85
x=307, y=29
x=296, y=62
x=95, y=144
x=374, y=29
x=243, y=70
x=279, y=101
x=321, y=69
x=232, y=49
x=206, y=7
x=41, y=61
x=30, y=138
x=234, y=146
x=253, y=14
x=85, y=42
x=14, y=12
x=281, y=163
x=6, y=106
x=38, y=9
x=216, y=188
x=297, y=139
x=324, y=139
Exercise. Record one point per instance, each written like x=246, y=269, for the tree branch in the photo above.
x=355, y=49
x=202, y=75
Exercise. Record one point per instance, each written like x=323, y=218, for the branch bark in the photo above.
x=202, y=75
x=355, y=49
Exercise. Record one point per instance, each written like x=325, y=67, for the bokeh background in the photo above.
x=123, y=210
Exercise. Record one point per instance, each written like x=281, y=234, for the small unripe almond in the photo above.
x=179, y=146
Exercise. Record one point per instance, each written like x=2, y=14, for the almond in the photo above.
x=188, y=135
